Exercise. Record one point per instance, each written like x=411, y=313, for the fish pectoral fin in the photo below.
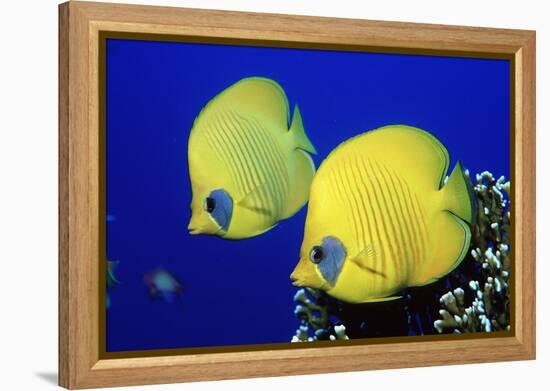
x=257, y=209
x=366, y=253
x=365, y=259
x=251, y=201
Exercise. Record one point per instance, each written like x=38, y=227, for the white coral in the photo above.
x=489, y=309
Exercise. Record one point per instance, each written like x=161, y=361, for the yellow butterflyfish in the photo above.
x=249, y=169
x=381, y=217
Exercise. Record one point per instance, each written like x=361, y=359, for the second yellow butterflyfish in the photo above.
x=382, y=218
x=249, y=167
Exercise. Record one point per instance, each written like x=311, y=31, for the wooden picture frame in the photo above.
x=81, y=364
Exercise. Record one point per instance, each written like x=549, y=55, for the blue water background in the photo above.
x=238, y=292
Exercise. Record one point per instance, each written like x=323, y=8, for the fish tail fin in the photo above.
x=458, y=195
x=451, y=245
x=298, y=133
x=305, y=170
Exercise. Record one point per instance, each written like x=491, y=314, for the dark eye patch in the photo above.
x=334, y=255
x=209, y=204
x=220, y=206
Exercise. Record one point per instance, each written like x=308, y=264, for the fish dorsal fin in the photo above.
x=365, y=260
x=256, y=96
x=252, y=200
x=406, y=149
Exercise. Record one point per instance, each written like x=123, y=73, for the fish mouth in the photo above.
x=301, y=281
x=194, y=230
x=296, y=281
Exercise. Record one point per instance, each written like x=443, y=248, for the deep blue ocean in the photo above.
x=239, y=292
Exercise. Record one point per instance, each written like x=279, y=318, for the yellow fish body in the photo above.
x=380, y=217
x=248, y=168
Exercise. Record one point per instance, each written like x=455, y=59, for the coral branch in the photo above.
x=490, y=307
x=315, y=325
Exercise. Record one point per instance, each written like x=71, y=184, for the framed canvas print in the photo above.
x=249, y=195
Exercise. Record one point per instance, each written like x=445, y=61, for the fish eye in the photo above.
x=317, y=254
x=209, y=204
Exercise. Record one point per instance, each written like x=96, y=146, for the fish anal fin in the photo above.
x=252, y=233
x=427, y=282
x=304, y=172
x=381, y=299
x=257, y=209
x=451, y=243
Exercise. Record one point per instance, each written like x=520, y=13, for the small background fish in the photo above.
x=111, y=280
x=163, y=285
